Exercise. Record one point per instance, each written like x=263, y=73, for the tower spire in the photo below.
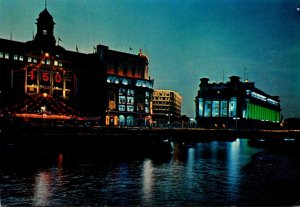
x=45, y=4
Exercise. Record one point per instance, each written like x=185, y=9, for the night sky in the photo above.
x=185, y=39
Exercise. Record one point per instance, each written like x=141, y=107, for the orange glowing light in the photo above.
x=40, y=116
x=60, y=160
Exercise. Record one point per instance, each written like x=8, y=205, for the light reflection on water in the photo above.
x=233, y=162
x=197, y=174
x=42, y=191
x=48, y=184
x=148, y=180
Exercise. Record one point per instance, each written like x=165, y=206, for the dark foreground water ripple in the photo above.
x=214, y=173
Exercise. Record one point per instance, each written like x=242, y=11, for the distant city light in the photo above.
x=289, y=139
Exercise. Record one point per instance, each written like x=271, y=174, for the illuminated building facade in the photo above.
x=37, y=67
x=112, y=86
x=128, y=101
x=166, y=107
x=235, y=104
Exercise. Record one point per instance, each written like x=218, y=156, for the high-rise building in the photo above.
x=40, y=74
x=166, y=108
x=235, y=104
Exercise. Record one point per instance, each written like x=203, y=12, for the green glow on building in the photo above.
x=262, y=113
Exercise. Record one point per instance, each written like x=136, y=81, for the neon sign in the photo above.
x=45, y=76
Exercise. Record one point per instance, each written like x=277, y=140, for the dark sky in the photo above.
x=184, y=39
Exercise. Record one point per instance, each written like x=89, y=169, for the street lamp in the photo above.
x=236, y=119
x=169, y=115
x=191, y=121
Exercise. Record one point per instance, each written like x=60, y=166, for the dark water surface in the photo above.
x=214, y=173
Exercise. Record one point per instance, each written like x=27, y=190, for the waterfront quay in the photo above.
x=173, y=134
x=53, y=137
x=134, y=136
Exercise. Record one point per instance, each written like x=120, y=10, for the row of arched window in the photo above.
x=121, y=120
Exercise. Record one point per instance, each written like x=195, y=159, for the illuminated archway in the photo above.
x=116, y=121
x=122, y=120
x=130, y=121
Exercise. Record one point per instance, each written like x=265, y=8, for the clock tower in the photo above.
x=45, y=26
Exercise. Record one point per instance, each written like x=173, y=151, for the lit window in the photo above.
x=130, y=100
x=130, y=92
x=21, y=58
x=200, y=107
x=34, y=60
x=121, y=107
x=29, y=59
x=122, y=99
x=232, y=107
x=47, y=62
x=55, y=63
x=6, y=56
x=60, y=64
x=122, y=91
x=43, y=62
x=215, y=108
x=15, y=57
x=125, y=81
x=130, y=108
x=1, y=55
x=223, y=109
x=146, y=109
x=207, y=108
x=130, y=121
